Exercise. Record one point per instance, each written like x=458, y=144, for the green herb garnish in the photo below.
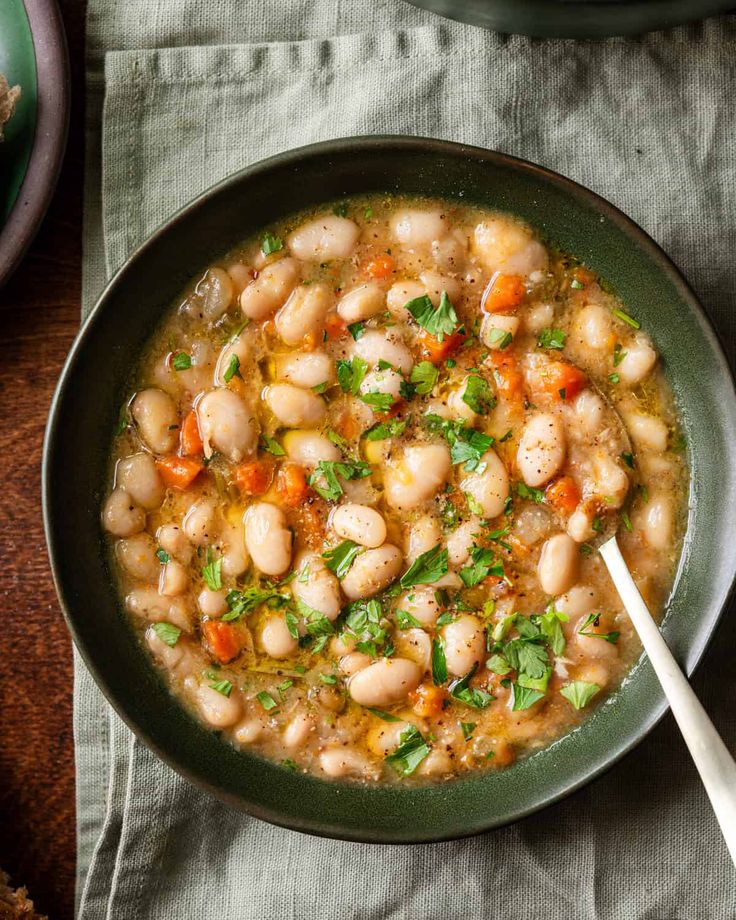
x=340, y=558
x=439, y=322
x=271, y=243
x=439, y=663
x=552, y=338
x=167, y=633
x=426, y=568
x=579, y=693
x=182, y=361
x=424, y=376
x=410, y=753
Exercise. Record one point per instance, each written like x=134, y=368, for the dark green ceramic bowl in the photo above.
x=88, y=400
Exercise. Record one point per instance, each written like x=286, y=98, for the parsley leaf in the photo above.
x=629, y=320
x=579, y=693
x=483, y=566
x=527, y=657
x=439, y=322
x=549, y=623
x=469, y=447
x=350, y=374
x=405, y=620
x=593, y=619
x=410, y=753
x=426, y=568
x=467, y=729
x=242, y=602
x=233, y=369
x=383, y=430
x=266, y=700
x=222, y=686
x=499, y=665
x=552, y=338
x=379, y=402
x=477, y=394
x=524, y=697
x=386, y=716
x=182, y=361
x=532, y=495
x=162, y=556
x=339, y=559
x=272, y=446
x=439, y=663
x=424, y=376
x=474, y=697
x=500, y=337
x=324, y=480
x=212, y=572
x=167, y=633
x=271, y=243
x=356, y=330
x=341, y=209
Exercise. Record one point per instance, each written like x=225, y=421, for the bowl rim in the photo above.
x=364, y=144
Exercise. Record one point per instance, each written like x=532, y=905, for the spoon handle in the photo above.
x=714, y=762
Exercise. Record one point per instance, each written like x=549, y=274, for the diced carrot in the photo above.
x=583, y=275
x=436, y=351
x=563, y=381
x=336, y=327
x=253, y=478
x=427, y=700
x=311, y=341
x=347, y=426
x=311, y=523
x=190, y=440
x=291, y=484
x=563, y=494
x=379, y=266
x=222, y=639
x=178, y=472
x=505, y=294
x=509, y=379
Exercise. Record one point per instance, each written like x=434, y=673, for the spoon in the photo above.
x=714, y=763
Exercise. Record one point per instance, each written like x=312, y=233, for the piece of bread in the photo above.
x=9, y=95
x=14, y=904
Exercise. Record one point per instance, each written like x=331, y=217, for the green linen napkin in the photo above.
x=647, y=123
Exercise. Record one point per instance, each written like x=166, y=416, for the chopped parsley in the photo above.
x=410, y=753
x=424, y=376
x=386, y=716
x=524, y=697
x=466, y=444
x=426, y=568
x=324, y=480
x=383, y=430
x=337, y=440
x=498, y=664
x=593, y=619
x=628, y=459
x=271, y=243
x=532, y=495
x=339, y=559
x=405, y=620
x=350, y=375
x=474, y=697
x=439, y=663
x=243, y=602
x=122, y=422
x=181, y=361
x=614, y=378
x=576, y=285
x=167, y=633
x=356, y=330
x=272, y=446
x=379, y=402
x=629, y=320
x=499, y=337
x=329, y=679
x=477, y=394
x=212, y=572
x=483, y=565
x=341, y=209
x=467, y=729
x=222, y=686
x=618, y=354
x=162, y=556
x=233, y=369
x=579, y=693
x=266, y=700
x=439, y=322
x=552, y=338
x=368, y=213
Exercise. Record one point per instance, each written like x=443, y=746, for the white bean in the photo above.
x=276, y=640
x=415, y=645
x=308, y=448
x=503, y=245
x=121, y=516
x=647, y=432
x=374, y=346
x=372, y=571
x=267, y=538
x=342, y=761
x=172, y=657
x=496, y=329
x=436, y=763
x=234, y=554
x=173, y=579
x=200, y=522
x=420, y=603
x=212, y=603
x=580, y=526
x=577, y=603
x=423, y=535
x=386, y=381
x=240, y=276
x=353, y=662
x=414, y=227
x=362, y=302
x=541, y=450
x=656, y=521
x=263, y=297
x=213, y=294
x=611, y=480
x=384, y=738
x=293, y=406
x=417, y=475
x=157, y=420
x=137, y=555
x=306, y=368
x=538, y=316
x=216, y=709
x=304, y=313
x=593, y=325
x=435, y=285
x=399, y=295
x=139, y=477
x=590, y=412
x=464, y=643
x=384, y=682
x=240, y=348
x=226, y=425
x=456, y=402
x=590, y=647
x=323, y=239
x=490, y=489
x=532, y=524
x=461, y=540
x=360, y=524
x=316, y=586
x=249, y=731
x=638, y=361
x=149, y=604
x=558, y=564
x=173, y=540
x=297, y=731
x=451, y=252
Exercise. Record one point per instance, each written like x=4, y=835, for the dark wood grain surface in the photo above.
x=39, y=316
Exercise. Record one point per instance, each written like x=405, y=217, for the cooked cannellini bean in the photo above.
x=415, y=645
x=137, y=555
x=436, y=763
x=580, y=526
x=317, y=586
x=214, y=293
x=240, y=277
x=234, y=554
x=589, y=412
x=121, y=516
x=611, y=480
x=139, y=477
x=421, y=603
x=594, y=673
x=465, y=644
x=593, y=325
x=218, y=710
x=249, y=731
x=306, y=368
x=538, y=316
x=172, y=657
x=558, y=564
x=578, y=602
x=342, y=644
x=200, y=522
x=297, y=731
x=490, y=488
x=417, y=475
x=656, y=520
x=502, y=245
x=424, y=534
x=532, y=524
x=359, y=523
x=384, y=682
x=386, y=381
x=638, y=361
x=174, y=541
x=149, y=604
x=362, y=302
x=435, y=285
x=384, y=738
x=496, y=329
x=212, y=603
x=414, y=228
x=374, y=346
x=226, y=425
x=541, y=450
x=263, y=297
x=267, y=538
x=276, y=640
x=323, y=239
x=647, y=431
x=157, y=420
x=590, y=647
x=461, y=540
x=353, y=662
x=372, y=571
x=399, y=295
x=342, y=761
x=173, y=579
x=450, y=253
x=240, y=348
x=304, y=314
x=308, y=448
x=293, y=406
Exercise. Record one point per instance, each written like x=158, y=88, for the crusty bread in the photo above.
x=14, y=903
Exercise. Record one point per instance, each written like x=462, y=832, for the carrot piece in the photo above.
x=311, y=524
x=436, y=351
x=222, y=639
x=291, y=485
x=336, y=326
x=583, y=275
x=379, y=266
x=505, y=294
x=253, y=478
x=190, y=440
x=563, y=494
x=564, y=381
x=178, y=472
x=506, y=373
x=427, y=700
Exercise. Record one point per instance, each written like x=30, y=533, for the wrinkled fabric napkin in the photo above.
x=184, y=92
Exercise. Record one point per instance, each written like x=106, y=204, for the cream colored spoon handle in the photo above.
x=714, y=762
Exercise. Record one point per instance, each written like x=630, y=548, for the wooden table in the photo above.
x=40, y=315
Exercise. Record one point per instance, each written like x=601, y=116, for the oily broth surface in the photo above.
x=296, y=708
